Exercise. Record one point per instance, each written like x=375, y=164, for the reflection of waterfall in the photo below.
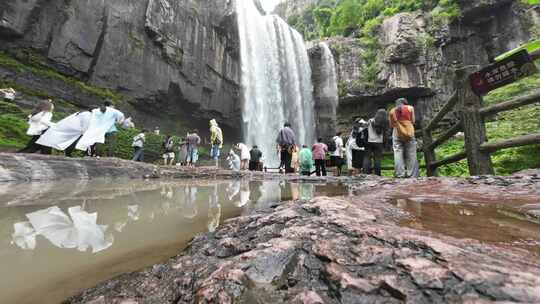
x=81, y=231
x=276, y=80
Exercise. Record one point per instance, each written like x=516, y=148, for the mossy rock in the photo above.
x=10, y=108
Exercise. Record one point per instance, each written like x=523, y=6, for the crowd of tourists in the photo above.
x=359, y=151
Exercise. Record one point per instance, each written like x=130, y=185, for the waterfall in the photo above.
x=276, y=80
x=326, y=92
x=329, y=83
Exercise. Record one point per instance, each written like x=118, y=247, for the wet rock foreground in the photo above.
x=328, y=250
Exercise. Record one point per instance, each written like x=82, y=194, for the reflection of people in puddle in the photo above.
x=78, y=230
x=255, y=190
x=244, y=195
x=306, y=191
x=167, y=192
x=189, y=202
x=233, y=189
x=236, y=187
x=214, y=210
x=134, y=212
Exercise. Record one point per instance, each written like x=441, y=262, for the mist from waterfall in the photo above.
x=276, y=80
x=329, y=83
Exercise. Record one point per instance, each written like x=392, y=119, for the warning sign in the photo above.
x=502, y=73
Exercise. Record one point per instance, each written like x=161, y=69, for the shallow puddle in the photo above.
x=491, y=223
x=59, y=238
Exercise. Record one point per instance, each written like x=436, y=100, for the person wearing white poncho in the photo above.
x=103, y=121
x=66, y=132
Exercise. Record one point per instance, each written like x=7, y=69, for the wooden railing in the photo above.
x=472, y=115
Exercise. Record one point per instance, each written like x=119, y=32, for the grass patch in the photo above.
x=35, y=64
x=517, y=122
x=13, y=131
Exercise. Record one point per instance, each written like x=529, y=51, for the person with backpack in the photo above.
x=319, y=156
x=377, y=126
x=336, y=155
x=182, y=152
x=360, y=135
x=168, y=151
x=193, y=140
x=138, y=146
x=286, y=142
x=216, y=140
x=255, y=156
x=402, y=119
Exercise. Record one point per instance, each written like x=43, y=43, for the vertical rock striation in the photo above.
x=325, y=94
x=173, y=61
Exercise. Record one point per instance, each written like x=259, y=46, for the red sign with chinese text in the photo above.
x=502, y=73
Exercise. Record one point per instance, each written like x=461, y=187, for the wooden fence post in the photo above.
x=429, y=152
x=473, y=125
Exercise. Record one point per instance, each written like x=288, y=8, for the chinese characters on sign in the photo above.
x=502, y=73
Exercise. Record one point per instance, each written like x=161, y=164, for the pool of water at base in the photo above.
x=59, y=238
x=497, y=224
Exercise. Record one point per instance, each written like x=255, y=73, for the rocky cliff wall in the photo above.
x=175, y=63
x=415, y=56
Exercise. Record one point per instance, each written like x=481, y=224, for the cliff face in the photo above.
x=415, y=57
x=175, y=62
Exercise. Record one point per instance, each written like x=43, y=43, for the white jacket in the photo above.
x=39, y=123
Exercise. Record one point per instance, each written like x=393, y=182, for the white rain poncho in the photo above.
x=100, y=124
x=24, y=236
x=66, y=132
x=234, y=161
x=78, y=230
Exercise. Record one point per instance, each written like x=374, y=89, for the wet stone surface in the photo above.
x=332, y=250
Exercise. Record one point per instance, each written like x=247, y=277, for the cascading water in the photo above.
x=276, y=80
x=326, y=92
x=329, y=84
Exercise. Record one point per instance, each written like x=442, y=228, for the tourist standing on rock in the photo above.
x=377, y=127
x=138, y=146
x=168, y=151
x=255, y=156
x=216, y=139
x=182, y=152
x=319, y=155
x=39, y=121
x=193, y=140
x=305, y=160
x=244, y=155
x=102, y=128
x=234, y=161
x=402, y=119
x=286, y=141
x=360, y=134
x=337, y=156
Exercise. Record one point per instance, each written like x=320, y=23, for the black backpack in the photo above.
x=361, y=137
x=332, y=147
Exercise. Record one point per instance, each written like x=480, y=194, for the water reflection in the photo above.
x=103, y=228
x=485, y=222
x=78, y=230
